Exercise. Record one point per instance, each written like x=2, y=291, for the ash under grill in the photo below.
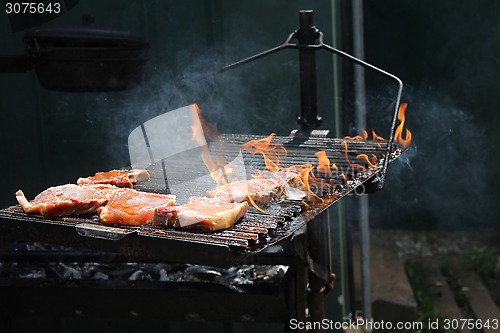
x=253, y=233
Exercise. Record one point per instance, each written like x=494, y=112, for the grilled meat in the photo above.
x=67, y=200
x=120, y=178
x=131, y=207
x=201, y=214
x=262, y=190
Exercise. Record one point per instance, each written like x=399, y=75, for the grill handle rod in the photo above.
x=319, y=45
x=382, y=174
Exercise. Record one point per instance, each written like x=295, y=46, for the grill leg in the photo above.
x=319, y=248
x=316, y=299
x=300, y=292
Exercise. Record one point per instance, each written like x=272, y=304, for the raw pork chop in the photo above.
x=202, y=214
x=67, y=200
x=120, y=178
x=131, y=207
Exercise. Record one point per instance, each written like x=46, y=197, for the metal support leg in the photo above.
x=300, y=292
x=319, y=250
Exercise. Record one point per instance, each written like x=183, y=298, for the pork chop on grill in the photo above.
x=67, y=200
x=120, y=178
x=262, y=190
x=201, y=214
x=131, y=207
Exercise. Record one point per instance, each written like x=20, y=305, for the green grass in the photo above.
x=458, y=293
x=418, y=277
x=486, y=261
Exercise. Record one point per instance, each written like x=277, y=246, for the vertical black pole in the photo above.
x=307, y=34
x=317, y=237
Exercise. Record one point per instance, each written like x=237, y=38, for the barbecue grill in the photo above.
x=292, y=234
x=255, y=232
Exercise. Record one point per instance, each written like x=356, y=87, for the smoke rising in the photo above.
x=442, y=180
x=447, y=55
x=235, y=101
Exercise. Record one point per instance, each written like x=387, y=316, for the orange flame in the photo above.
x=364, y=137
x=215, y=166
x=220, y=175
x=358, y=137
x=253, y=203
x=398, y=135
x=343, y=177
x=305, y=177
x=365, y=158
x=272, y=153
x=323, y=162
x=197, y=134
x=346, y=156
x=377, y=137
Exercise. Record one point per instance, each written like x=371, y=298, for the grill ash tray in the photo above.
x=252, y=234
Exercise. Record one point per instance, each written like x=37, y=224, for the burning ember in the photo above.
x=93, y=272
